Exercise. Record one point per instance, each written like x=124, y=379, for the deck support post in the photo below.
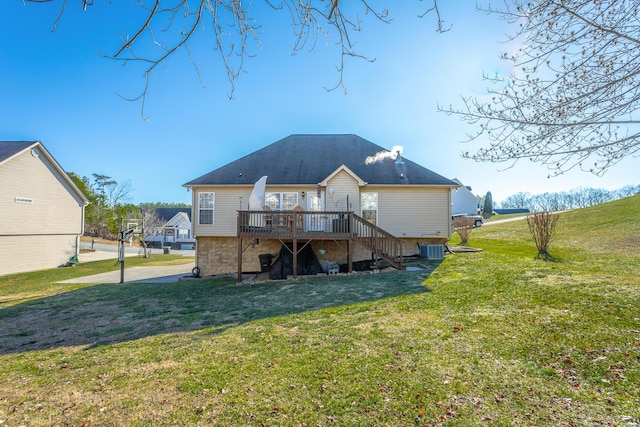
x=350, y=255
x=295, y=258
x=239, y=259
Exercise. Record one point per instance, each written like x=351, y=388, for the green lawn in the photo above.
x=496, y=337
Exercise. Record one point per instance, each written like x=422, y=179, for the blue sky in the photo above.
x=56, y=88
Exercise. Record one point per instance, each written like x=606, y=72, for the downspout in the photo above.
x=193, y=228
x=82, y=219
x=450, y=227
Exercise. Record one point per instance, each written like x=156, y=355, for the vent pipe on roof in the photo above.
x=399, y=160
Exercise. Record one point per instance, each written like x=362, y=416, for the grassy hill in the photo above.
x=496, y=337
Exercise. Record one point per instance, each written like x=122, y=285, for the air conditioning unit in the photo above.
x=432, y=251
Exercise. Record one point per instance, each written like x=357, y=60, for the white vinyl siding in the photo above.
x=206, y=204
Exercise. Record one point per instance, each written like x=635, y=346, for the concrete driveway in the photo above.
x=152, y=274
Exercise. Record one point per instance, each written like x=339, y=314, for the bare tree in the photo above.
x=628, y=190
x=580, y=197
x=573, y=99
x=542, y=226
x=463, y=226
x=596, y=196
x=518, y=201
x=119, y=193
x=152, y=221
x=170, y=25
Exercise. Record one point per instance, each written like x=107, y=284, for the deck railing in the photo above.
x=341, y=225
x=293, y=224
x=377, y=240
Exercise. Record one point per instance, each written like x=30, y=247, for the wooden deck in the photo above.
x=287, y=225
x=306, y=226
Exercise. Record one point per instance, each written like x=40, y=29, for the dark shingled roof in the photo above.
x=308, y=159
x=10, y=148
x=165, y=214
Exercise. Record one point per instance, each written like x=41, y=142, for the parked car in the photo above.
x=477, y=219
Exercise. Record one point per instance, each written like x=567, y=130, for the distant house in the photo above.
x=511, y=211
x=165, y=214
x=320, y=191
x=175, y=232
x=462, y=200
x=42, y=209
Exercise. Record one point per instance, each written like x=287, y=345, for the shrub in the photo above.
x=487, y=209
x=463, y=227
x=542, y=225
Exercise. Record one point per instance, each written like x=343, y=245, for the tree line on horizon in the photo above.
x=580, y=197
x=109, y=205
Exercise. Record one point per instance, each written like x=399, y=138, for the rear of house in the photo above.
x=326, y=177
x=42, y=210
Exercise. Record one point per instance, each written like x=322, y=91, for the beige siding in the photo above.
x=343, y=186
x=406, y=212
x=226, y=204
x=414, y=211
x=30, y=253
x=415, y=214
x=228, y=200
x=42, y=233
x=55, y=207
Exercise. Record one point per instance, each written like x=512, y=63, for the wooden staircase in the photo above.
x=380, y=242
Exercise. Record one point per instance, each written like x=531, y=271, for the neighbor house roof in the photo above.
x=457, y=181
x=177, y=219
x=309, y=159
x=10, y=149
x=165, y=214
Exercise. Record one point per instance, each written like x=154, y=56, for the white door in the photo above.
x=315, y=222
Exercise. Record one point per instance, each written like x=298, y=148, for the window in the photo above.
x=281, y=201
x=369, y=206
x=205, y=208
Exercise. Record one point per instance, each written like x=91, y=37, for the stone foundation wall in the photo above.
x=219, y=255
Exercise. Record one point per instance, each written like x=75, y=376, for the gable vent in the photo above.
x=432, y=251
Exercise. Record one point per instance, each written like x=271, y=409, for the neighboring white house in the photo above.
x=42, y=209
x=176, y=233
x=462, y=200
x=314, y=184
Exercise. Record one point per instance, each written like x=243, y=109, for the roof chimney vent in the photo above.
x=399, y=160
